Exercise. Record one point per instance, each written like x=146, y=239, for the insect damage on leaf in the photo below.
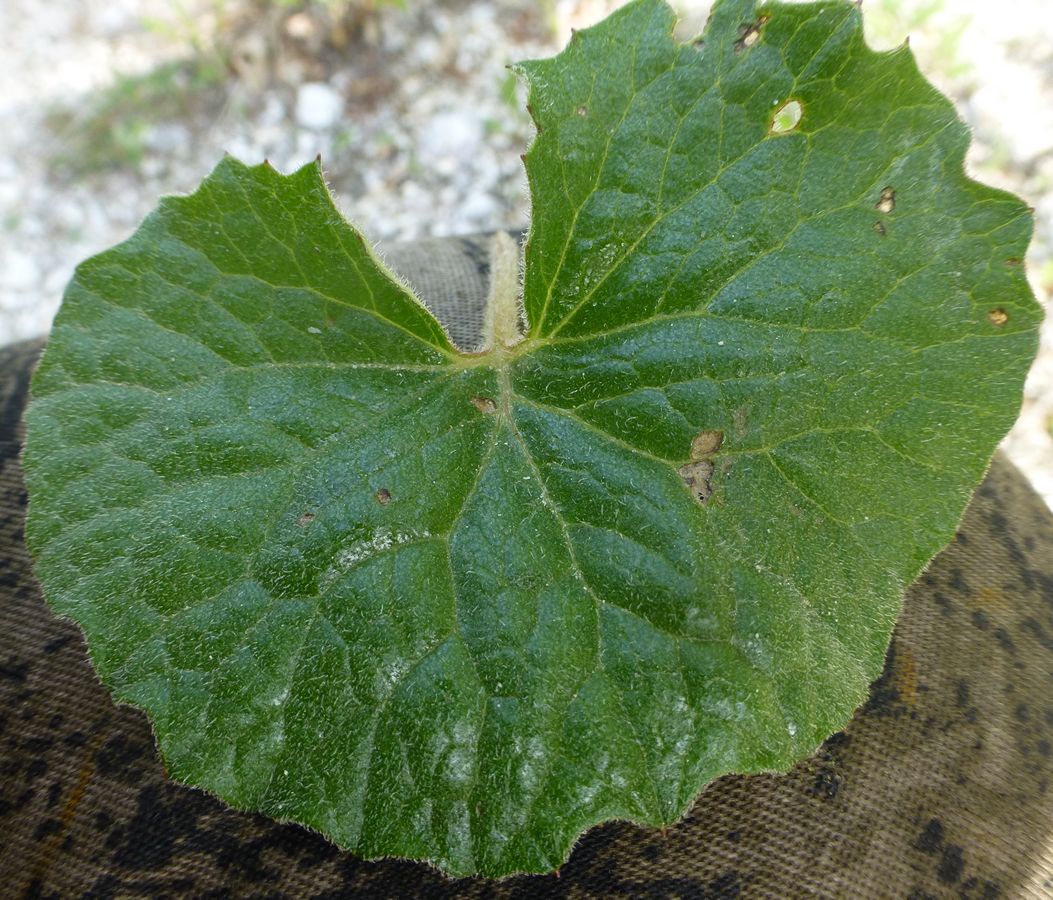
x=699, y=471
x=484, y=404
x=462, y=606
x=887, y=202
x=750, y=34
x=706, y=443
x=787, y=117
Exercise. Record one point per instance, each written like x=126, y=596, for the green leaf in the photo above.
x=461, y=607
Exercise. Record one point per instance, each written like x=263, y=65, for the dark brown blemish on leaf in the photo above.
x=887, y=201
x=696, y=476
x=306, y=519
x=484, y=405
x=879, y=227
x=383, y=496
x=1013, y=261
x=997, y=316
x=749, y=34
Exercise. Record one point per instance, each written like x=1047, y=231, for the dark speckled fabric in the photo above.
x=940, y=786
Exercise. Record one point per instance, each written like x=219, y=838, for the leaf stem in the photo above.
x=504, y=306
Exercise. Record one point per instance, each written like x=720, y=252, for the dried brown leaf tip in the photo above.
x=887, y=202
x=698, y=473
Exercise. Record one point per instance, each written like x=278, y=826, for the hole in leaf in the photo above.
x=750, y=34
x=787, y=117
x=887, y=203
x=879, y=227
x=998, y=316
x=383, y=496
x=484, y=405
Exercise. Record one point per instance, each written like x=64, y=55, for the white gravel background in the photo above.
x=415, y=127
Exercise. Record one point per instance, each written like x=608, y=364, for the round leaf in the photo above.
x=460, y=607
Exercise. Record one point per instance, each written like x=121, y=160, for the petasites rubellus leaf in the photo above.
x=460, y=607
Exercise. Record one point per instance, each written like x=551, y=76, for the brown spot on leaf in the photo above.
x=383, y=496
x=582, y=111
x=887, y=202
x=305, y=519
x=484, y=405
x=997, y=316
x=750, y=34
x=879, y=227
x=696, y=476
x=706, y=443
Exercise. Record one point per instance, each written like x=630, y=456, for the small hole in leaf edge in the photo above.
x=787, y=117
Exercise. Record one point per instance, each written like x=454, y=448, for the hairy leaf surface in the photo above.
x=461, y=607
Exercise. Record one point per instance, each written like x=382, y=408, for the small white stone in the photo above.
x=19, y=272
x=168, y=137
x=273, y=112
x=480, y=210
x=318, y=106
x=454, y=135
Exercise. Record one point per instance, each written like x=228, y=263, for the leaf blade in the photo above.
x=463, y=607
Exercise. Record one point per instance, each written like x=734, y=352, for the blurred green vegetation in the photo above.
x=110, y=128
